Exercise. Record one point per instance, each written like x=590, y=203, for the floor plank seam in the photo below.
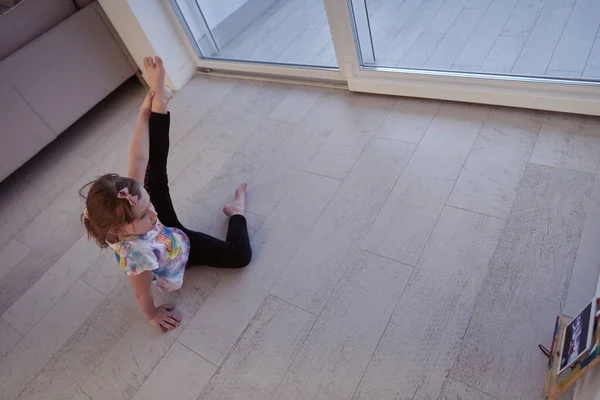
x=438, y=45
x=324, y=176
x=239, y=338
x=597, y=169
x=528, y=35
x=474, y=388
x=462, y=337
x=587, y=60
x=368, y=228
x=26, y=386
x=157, y=361
x=373, y=137
x=395, y=140
x=308, y=231
x=83, y=391
x=537, y=140
x=205, y=359
x=13, y=328
x=558, y=41
x=90, y=286
x=16, y=233
x=382, y=334
x=570, y=277
x=86, y=396
x=470, y=36
x=476, y=212
x=563, y=168
x=44, y=314
x=422, y=136
x=384, y=51
x=387, y=258
x=453, y=186
x=297, y=350
x=499, y=34
x=518, y=55
x=288, y=302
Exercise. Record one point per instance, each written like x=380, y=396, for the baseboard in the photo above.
x=239, y=20
x=539, y=94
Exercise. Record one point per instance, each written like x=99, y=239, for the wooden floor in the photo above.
x=403, y=249
x=555, y=38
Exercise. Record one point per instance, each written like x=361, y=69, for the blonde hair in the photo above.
x=104, y=210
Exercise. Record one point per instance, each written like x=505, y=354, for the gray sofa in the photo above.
x=58, y=58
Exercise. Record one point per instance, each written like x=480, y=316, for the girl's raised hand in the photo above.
x=164, y=320
x=146, y=105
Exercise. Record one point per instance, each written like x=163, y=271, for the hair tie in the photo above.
x=124, y=194
x=86, y=214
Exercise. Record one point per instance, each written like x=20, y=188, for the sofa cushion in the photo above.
x=23, y=133
x=69, y=69
x=29, y=20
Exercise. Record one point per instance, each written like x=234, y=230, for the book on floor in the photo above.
x=578, y=337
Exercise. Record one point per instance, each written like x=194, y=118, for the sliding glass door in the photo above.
x=527, y=53
x=289, y=32
x=526, y=38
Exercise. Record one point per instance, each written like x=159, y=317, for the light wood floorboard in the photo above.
x=490, y=177
x=407, y=219
x=334, y=178
x=258, y=362
x=421, y=343
x=319, y=264
x=526, y=284
x=340, y=345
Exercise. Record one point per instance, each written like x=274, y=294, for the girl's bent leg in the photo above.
x=235, y=252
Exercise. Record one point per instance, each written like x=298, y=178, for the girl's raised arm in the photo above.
x=156, y=101
x=140, y=142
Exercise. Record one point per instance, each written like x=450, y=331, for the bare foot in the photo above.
x=238, y=204
x=155, y=71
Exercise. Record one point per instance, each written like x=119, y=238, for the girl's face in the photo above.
x=145, y=216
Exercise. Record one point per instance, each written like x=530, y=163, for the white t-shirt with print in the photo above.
x=162, y=250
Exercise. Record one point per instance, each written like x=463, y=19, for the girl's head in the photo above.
x=116, y=206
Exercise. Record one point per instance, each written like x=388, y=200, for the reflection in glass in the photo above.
x=273, y=31
x=543, y=38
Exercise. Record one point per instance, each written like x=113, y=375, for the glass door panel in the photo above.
x=541, y=54
x=293, y=32
x=526, y=38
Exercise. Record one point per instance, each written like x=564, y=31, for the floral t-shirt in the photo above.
x=162, y=250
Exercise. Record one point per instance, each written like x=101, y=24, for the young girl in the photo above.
x=122, y=213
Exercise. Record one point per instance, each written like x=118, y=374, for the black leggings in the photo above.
x=235, y=252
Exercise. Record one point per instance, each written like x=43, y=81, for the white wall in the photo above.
x=148, y=28
x=215, y=11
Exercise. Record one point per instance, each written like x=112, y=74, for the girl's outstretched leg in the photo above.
x=156, y=180
x=235, y=251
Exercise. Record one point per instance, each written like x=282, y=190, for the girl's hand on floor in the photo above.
x=164, y=320
x=146, y=105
